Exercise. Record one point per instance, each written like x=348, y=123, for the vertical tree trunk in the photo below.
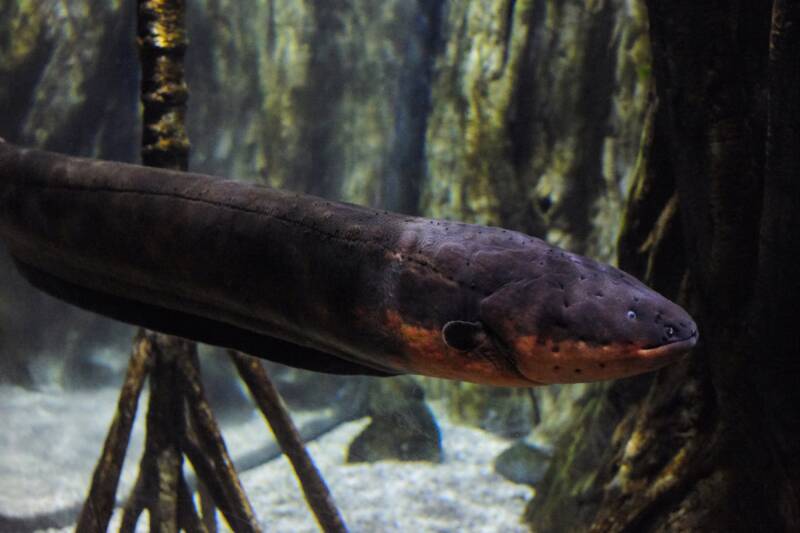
x=778, y=284
x=713, y=444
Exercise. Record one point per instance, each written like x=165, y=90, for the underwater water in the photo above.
x=439, y=189
x=491, y=113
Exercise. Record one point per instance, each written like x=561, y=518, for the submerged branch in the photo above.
x=188, y=519
x=207, y=452
x=266, y=396
x=101, y=498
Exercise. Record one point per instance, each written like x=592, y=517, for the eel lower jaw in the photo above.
x=667, y=353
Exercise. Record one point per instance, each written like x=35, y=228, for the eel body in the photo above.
x=324, y=285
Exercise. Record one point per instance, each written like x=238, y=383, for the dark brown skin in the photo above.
x=324, y=285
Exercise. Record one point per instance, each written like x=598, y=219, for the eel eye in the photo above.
x=670, y=331
x=631, y=315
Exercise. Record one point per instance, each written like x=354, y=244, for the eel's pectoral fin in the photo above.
x=463, y=336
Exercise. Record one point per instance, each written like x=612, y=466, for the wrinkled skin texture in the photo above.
x=324, y=285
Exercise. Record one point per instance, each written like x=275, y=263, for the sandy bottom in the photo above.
x=461, y=494
x=51, y=440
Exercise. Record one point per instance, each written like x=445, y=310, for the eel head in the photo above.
x=585, y=323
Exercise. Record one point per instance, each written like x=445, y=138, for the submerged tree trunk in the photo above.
x=710, y=444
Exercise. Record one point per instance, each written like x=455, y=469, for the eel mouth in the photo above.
x=671, y=351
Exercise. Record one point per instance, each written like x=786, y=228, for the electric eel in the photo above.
x=323, y=285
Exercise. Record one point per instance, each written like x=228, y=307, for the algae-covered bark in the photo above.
x=538, y=105
x=535, y=125
x=713, y=443
x=69, y=77
x=468, y=145
x=68, y=82
x=326, y=97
